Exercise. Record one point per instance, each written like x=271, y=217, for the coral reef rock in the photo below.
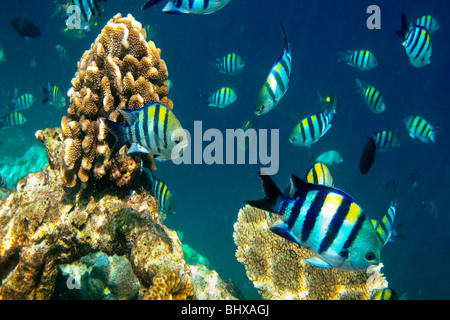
x=278, y=268
x=42, y=227
x=121, y=70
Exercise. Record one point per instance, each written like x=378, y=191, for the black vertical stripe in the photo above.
x=293, y=215
x=191, y=4
x=353, y=234
x=335, y=225
x=311, y=128
x=312, y=214
x=269, y=89
x=205, y=4
x=155, y=125
x=166, y=122
x=179, y=3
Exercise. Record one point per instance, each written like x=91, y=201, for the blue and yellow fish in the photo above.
x=23, y=102
x=325, y=220
x=428, y=22
x=12, y=120
x=385, y=227
x=221, y=98
x=386, y=140
x=277, y=82
x=153, y=129
x=363, y=60
x=419, y=128
x=312, y=128
x=161, y=192
x=372, y=97
x=231, y=64
x=189, y=6
x=319, y=174
x=385, y=294
x=54, y=96
x=82, y=14
x=417, y=43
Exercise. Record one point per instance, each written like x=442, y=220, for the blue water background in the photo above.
x=209, y=197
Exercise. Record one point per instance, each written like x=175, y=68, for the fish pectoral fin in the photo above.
x=280, y=228
x=136, y=148
x=318, y=262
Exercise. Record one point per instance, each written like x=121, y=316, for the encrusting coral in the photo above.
x=121, y=70
x=278, y=268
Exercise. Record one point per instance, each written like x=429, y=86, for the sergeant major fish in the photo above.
x=83, y=13
x=221, y=98
x=325, y=220
x=54, y=96
x=372, y=97
x=417, y=43
x=12, y=120
x=153, y=129
x=23, y=102
x=319, y=174
x=419, y=128
x=231, y=64
x=363, y=60
x=189, y=6
x=384, y=140
x=161, y=192
x=312, y=128
x=277, y=82
x=428, y=22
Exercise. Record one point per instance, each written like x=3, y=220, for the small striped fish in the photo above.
x=372, y=97
x=319, y=174
x=417, y=43
x=221, y=98
x=24, y=102
x=428, y=22
x=385, y=227
x=189, y=6
x=153, y=129
x=360, y=59
x=325, y=220
x=54, y=96
x=88, y=10
x=419, y=128
x=166, y=202
x=62, y=52
x=277, y=82
x=231, y=64
x=386, y=140
x=12, y=120
x=385, y=294
x=312, y=128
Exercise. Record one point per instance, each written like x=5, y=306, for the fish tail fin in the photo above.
x=207, y=97
x=118, y=132
x=45, y=95
x=343, y=57
x=402, y=32
x=272, y=196
x=287, y=46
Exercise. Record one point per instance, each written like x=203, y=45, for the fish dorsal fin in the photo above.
x=130, y=116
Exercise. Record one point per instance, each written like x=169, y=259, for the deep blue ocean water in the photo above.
x=209, y=197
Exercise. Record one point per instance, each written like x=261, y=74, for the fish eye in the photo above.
x=370, y=256
x=263, y=107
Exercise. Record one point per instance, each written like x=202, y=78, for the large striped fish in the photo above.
x=417, y=43
x=325, y=220
x=83, y=13
x=277, y=81
x=312, y=128
x=153, y=129
x=189, y=6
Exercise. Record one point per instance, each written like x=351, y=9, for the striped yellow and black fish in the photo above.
x=12, y=120
x=85, y=15
x=153, y=129
x=385, y=227
x=23, y=102
x=325, y=220
x=372, y=97
x=417, y=43
x=319, y=174
x=385, y=294
x=312, y=128
x=428, y=22
x=189, y=6
x=277, y=82
x=54, y=96
x=419, y=128
x=161, y=192
x=386, y=140
x=360, y=59
x=221, y=98
x=231, y=64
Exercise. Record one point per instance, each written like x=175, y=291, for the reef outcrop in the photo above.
x=278, y=269
x=120, y=70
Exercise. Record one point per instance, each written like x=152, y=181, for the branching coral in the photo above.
x=278, y=269
x=121, y=70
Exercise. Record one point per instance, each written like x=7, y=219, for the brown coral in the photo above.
x=278, y=268
x=121, y=70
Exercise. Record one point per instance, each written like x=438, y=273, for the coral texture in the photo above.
x=121, y=70
x=278, y=268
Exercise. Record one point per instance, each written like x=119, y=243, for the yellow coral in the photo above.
x=121, y=70
x=278, y=268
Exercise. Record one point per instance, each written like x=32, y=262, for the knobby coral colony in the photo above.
x=278, y=268
x=121, y=70
x=43, y=224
